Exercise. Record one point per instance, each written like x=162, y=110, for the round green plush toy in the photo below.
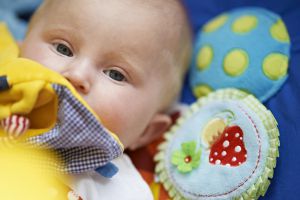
x=224, y=147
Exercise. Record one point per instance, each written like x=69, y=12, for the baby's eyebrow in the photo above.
x=68, y=32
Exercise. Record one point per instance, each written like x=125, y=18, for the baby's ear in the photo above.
x=159, y=124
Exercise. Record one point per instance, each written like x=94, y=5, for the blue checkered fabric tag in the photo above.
x=78, y=137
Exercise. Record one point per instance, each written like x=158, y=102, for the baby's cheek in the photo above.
x=123, y=121
x=42, y=54
x=124, y=125
x=111, y=116
x=123, y=110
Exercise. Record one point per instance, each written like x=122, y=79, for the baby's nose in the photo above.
x=81, y=87
x=78, y=79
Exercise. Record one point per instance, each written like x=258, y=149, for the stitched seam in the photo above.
x=242, y=183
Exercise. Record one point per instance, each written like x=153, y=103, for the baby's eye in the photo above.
x=115, y=75
x=63, y=49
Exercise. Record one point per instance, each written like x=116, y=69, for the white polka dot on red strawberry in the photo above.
x=237, y=149
x=226, y=143
x=224, y=153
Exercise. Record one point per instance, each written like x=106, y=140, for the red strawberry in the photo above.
x=229, y=148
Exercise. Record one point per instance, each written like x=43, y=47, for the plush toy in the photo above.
x=246, y=48
x=226, y=145
x=25, y=175
x=45, y=128
x=40, y=107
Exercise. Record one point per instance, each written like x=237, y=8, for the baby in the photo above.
x=127, y=58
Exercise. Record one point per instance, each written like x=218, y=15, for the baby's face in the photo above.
x=111, y=52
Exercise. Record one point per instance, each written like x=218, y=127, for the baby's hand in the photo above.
x=15, y=126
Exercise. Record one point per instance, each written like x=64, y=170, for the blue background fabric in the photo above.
x=16, y=14
x=285, y=105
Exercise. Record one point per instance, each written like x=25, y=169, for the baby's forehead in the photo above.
x=144, y=20
x=155, y=14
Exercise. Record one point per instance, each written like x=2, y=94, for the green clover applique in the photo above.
x=187, y=158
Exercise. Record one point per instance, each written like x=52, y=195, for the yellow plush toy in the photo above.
x=26, y=96
x=39, y=106
x=41, y=109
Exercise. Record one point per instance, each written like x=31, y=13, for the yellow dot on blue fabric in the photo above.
x=215, y=23
x=275, y=66
x=204, y=57
x=202, y=90
x=244, y=24
x=235, y=62
x=279, y=32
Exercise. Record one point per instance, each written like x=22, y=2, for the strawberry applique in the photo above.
x=229, y=148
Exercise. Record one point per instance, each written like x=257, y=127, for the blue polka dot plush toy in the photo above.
x=246, y=48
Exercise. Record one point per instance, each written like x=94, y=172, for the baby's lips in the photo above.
x=212, y=131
